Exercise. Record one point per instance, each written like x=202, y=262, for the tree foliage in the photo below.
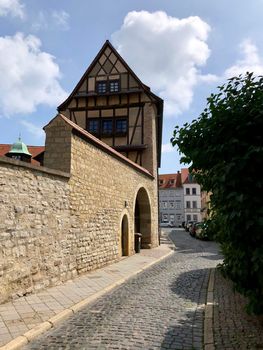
x=225, y=145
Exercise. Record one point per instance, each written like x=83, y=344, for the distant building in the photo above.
x=19, y=151
x=192, y=197
x=171, y=199
x=179, y=198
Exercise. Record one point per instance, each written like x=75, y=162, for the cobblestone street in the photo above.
x=161, y=308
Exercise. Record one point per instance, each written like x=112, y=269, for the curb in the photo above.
x=209, y=313
x=27, y=337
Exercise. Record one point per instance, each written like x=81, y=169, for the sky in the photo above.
x=183, y=50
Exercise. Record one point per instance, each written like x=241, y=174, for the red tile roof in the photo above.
x=170, y=180
x=34, y=150
x=185, y=173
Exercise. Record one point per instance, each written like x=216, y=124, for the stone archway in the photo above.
x=124, y=236
x=142, y=218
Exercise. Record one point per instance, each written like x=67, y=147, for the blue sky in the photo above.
x=182, y=50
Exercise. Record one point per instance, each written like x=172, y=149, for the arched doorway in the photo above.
x=142, y=218
x=124, y=236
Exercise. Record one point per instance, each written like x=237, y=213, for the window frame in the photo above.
x=107, y=83
x=107, y=134
x=94, y=120
x=120, y=133
x=114, y=81
x=98, y=84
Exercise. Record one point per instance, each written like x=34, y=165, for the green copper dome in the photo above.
x=19, y=148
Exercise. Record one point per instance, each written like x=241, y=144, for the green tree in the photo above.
x=225, y=145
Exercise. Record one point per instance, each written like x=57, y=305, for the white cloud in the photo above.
x=12, y=7
x=29, y=76
x=61, y=19
x=36, y=131
x=40, y=22
x=51, y=20
x=166, y=53
x=250, y=62
x=167, y=148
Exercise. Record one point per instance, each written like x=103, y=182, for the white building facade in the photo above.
x=179, y=199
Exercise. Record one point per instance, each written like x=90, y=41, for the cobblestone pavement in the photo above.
x=233, y=327
x=161, y=308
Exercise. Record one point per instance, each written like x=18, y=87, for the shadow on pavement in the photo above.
x=187, y=333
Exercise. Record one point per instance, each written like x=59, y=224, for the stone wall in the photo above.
x=55, y=225
x=34, y=216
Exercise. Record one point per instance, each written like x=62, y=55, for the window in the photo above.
x=188, y=217
x=171, y=182
x=160, y=182
x=194, y=191
x=165, y=218
x=164, y=205
x=187, y=191
x=194, y=204
x=93, y=126
x=188, y=204
x=121, y=126
x=114, y=86
x=171, y=204
x=107, y=126
x=101, y=87
x=195, y=217
x=172, y=218
x=108, y=86
x=178, y=204
x=16, y=157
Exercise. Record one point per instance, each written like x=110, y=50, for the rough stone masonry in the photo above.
x=65, y=219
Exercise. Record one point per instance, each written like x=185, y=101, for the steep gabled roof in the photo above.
x=145, y=88
x=91, y=66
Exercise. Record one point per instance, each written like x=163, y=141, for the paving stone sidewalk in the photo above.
x=160, y=308
x=233, y=327
x=29, y=315
x=173, y=313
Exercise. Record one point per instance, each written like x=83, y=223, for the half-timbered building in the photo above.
x=93, y=197
x=112, y=103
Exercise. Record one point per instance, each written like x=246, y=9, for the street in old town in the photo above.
x=161, y=308
x=170, y=297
